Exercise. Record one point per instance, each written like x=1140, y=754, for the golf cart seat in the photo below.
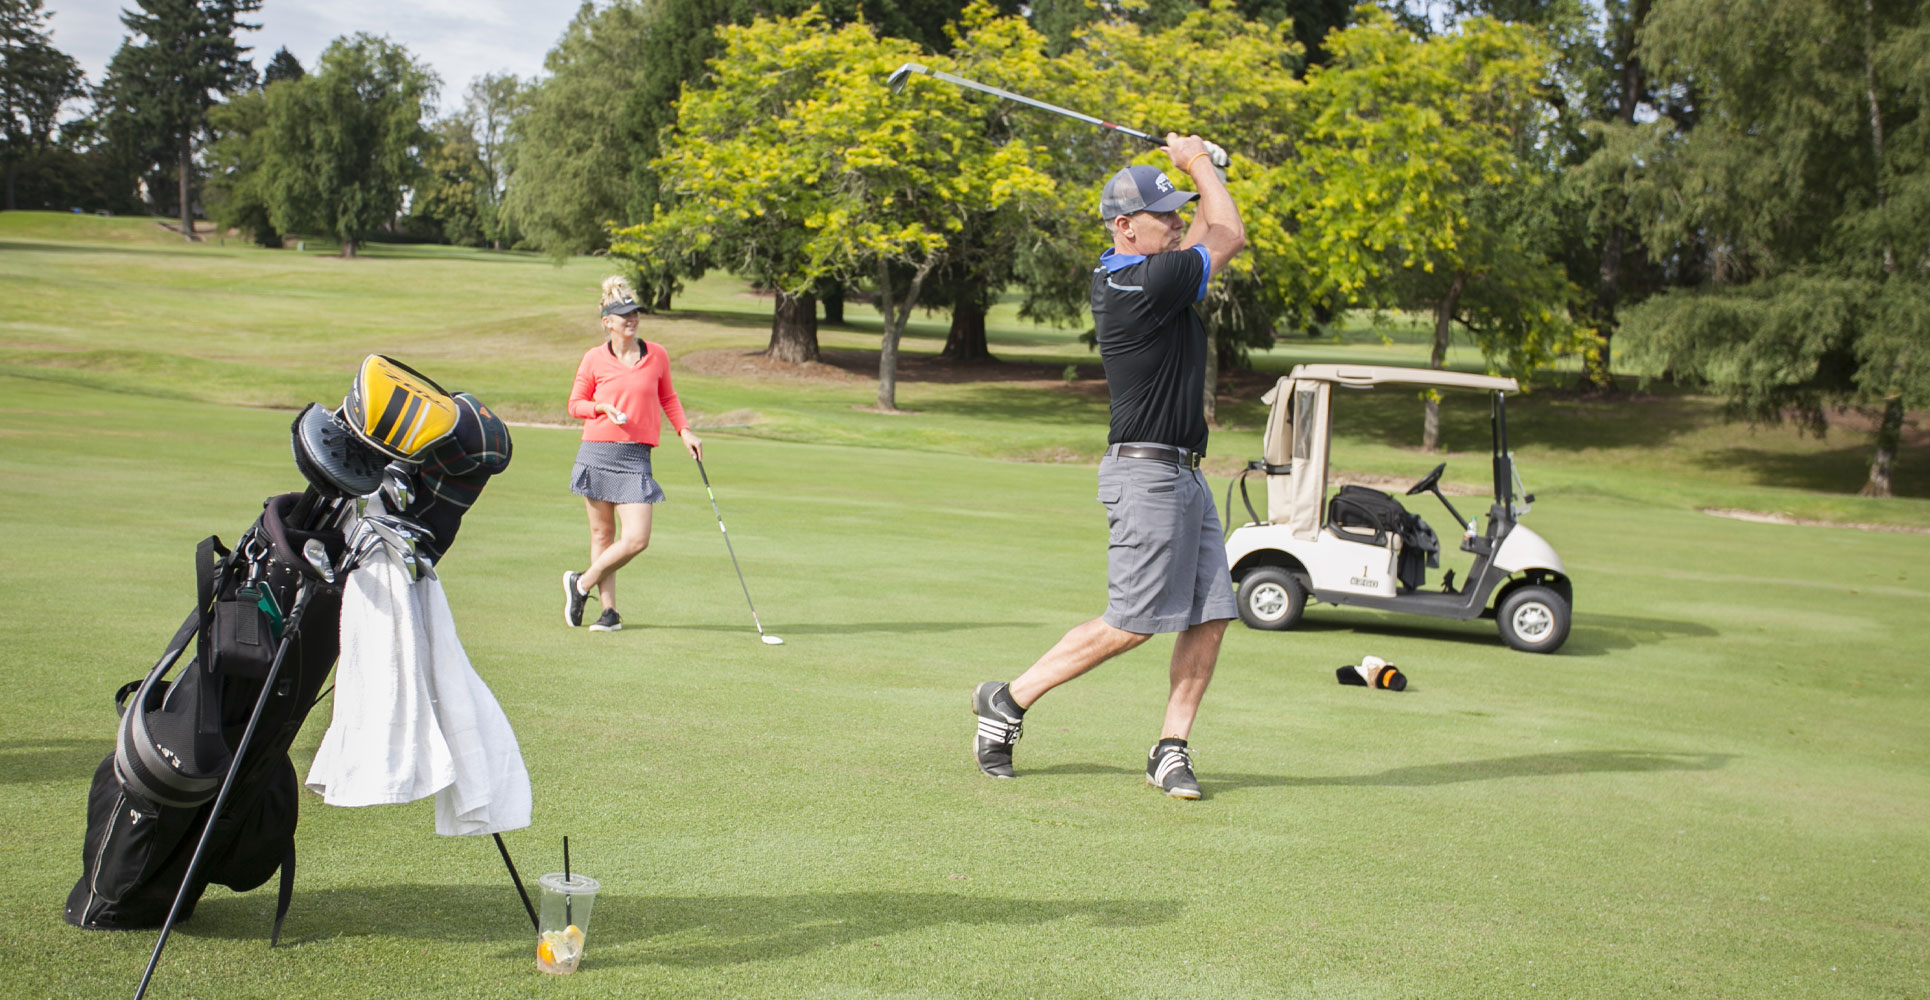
x=1365, y=515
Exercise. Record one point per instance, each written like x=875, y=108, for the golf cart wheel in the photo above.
x=1271, y=599
x=1533, y=619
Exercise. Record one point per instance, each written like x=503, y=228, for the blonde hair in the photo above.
x=615, y=288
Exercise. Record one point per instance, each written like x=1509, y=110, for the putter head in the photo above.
x=896, y=81
x=771, y=640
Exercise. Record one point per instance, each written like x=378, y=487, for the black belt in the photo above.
x=1160, y=453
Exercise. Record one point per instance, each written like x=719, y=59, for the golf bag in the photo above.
x=152, y=798
x=1362, y=507
x=170, y=811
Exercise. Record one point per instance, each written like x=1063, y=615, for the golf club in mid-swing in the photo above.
x=896, y=81
x=767, y=638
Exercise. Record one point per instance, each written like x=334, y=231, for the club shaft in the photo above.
x=289, y=638
x=728, y=547
x=1042, y=106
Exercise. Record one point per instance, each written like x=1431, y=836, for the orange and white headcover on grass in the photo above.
x=396, y=409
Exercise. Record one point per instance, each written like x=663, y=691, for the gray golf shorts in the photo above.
x=1166, y=564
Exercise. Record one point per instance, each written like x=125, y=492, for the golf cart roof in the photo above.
x=1368, y=376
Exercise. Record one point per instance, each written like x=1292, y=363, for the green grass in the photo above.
x=1718, y=788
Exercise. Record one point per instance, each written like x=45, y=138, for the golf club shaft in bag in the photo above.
x=897, y=83
x=769, y=640
x=292, y=629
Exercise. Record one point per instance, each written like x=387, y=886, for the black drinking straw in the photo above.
x=567, y=917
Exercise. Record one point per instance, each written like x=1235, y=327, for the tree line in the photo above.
x=1727, y=193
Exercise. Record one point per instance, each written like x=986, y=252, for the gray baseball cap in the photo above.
x=1140, y=189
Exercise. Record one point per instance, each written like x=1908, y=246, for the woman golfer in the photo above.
x=622, y=393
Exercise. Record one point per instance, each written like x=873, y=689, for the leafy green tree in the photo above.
x=1436, y=180
x=1061, y=21
x=796, y=165
x=683, y=40
x=167, y=82
x=450, y=201
x=36, y=79
x=341, y=142
x=490, y=107
x=1796, y=203
x=569, y=154
x=236, y=193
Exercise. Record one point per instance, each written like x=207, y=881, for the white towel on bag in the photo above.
x=411, y=718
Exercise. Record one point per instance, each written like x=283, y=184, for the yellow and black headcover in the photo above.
x=397, y=410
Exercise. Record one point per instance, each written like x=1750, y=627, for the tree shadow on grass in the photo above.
x=1538, y=765
x=28, y=761
x=842, y=628
x=637, y=929
x=1841, y=471
x=97, y=248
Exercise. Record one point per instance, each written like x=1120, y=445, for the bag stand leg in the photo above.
x=518, y=879
x=227, y=782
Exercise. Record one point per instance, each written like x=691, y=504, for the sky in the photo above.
x=459, y=39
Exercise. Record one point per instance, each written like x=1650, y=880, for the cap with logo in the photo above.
x=1140, y=188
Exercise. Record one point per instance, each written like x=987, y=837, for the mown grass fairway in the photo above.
x=1720, y=787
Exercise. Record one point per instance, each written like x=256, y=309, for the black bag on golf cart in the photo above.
x=1364, y=507
x=151, y=798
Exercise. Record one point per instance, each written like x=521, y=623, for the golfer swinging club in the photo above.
x=1166, y=569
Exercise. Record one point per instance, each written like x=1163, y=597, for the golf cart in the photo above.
x=1361, y=547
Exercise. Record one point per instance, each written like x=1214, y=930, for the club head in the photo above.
x=896, y=81
x=317, y=555
x=398, y=493
x=771, y=640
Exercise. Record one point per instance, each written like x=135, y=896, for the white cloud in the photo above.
x=459, y=39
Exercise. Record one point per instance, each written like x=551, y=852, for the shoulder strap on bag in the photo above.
x=206, y=575
x=211, y=563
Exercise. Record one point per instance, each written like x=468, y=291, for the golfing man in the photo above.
x=1166, y=569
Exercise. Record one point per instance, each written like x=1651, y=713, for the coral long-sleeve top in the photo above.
x=642, y=391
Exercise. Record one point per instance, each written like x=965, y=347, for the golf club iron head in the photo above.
x=398, y=491
x=399, y=536
x=896, y=81
x=317, y=555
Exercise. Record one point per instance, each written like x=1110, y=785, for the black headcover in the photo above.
x=334, y=461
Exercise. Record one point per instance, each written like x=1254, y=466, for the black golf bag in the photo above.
x=265, y=633
x=1363, y=507
x=152, y=798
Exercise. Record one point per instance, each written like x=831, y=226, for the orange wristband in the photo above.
x=1196, y=156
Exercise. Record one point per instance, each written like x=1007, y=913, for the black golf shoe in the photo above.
x=1169, y=768
x=610, y=621
x=999, y=722
x=572, y=599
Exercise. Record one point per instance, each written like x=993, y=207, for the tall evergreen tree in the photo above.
x=1799, y=202
x=36, y=79
x=182, y=56
x=282, y=66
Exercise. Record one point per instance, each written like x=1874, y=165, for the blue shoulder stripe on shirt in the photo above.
x=1112, y=261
